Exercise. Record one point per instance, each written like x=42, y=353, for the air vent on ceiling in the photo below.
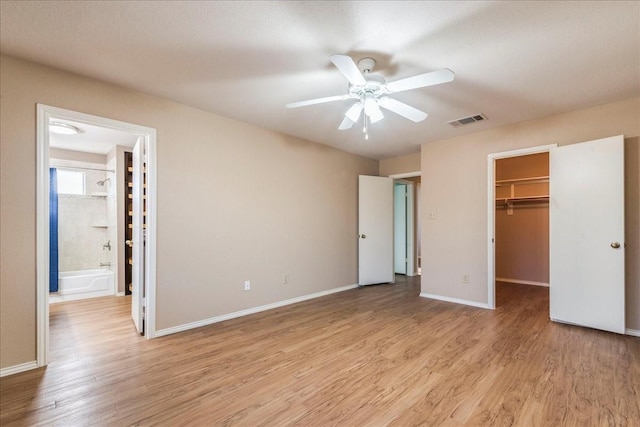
x=467, y=120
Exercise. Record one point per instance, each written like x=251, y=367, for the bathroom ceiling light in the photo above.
x=63, y=128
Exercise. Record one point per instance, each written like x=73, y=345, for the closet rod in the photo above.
x=86, y=169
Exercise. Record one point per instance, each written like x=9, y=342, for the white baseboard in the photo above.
x=211, y=320
x=10, y=370
x=632, y=332
x=120, y=294
x=455, y=300
x=521, y=282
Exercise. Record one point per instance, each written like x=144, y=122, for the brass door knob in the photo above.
x=615, y=245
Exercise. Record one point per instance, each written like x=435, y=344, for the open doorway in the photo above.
x=81, y=231
x=407, y=259
x=521, y=223
x=88, y=210
x=518, y=219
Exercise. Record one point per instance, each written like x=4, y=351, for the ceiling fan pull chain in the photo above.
x=366, y=127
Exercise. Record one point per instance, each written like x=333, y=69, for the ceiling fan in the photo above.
x=372, y=92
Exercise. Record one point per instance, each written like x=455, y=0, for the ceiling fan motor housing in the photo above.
x=374, y=86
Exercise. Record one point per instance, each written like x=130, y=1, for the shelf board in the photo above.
x=130, y=169
x=523, y=180
x=523, y=199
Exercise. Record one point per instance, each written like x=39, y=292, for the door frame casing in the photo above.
x=491, y=212
x=44, y=113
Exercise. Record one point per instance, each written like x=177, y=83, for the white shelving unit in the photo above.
x=538, y=185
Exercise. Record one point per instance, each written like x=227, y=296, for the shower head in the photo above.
x=101, y=183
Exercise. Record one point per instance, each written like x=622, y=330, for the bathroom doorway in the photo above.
x=82, y=206
x=88, y=201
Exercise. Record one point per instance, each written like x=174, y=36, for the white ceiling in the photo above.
x=514, y=61
x=90, y=139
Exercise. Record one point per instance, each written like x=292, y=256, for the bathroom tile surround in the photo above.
x=84, y=221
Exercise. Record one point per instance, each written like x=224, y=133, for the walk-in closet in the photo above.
x=522, y=220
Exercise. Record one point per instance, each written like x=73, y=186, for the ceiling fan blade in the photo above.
x=402, y=109
x=421, y=80
x=349, y=69
x=353, y=113
x=347, y=123
x=317, y=101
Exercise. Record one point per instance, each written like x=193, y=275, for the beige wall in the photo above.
x=398, y=165
x=235, y=202
x=78, y=156
x=454, y=183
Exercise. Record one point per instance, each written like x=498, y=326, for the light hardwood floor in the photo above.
x=375, y=356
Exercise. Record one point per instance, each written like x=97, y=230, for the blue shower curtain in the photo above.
x=53, y=230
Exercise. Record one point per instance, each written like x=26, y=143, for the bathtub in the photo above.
x=97, y=282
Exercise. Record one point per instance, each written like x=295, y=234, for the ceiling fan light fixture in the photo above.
x=372, y=109
x=376, y=116
x=63, y=128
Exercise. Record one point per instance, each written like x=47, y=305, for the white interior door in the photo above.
x=400, y=228
x=137, y=269
x=586, y=233
x=375, y=224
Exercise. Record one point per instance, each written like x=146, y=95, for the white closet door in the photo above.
x=586, y=226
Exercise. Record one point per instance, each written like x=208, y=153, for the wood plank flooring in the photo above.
x=366, y=357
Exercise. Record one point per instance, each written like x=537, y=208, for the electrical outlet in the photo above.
x=285, y=279
x=247, y=285
x=465, y=278
x=432, y=215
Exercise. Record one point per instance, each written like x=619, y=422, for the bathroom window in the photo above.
x=70, y=182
